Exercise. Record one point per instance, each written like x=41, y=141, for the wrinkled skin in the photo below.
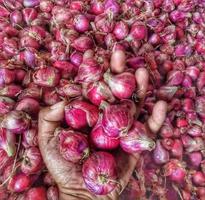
x=68, y=176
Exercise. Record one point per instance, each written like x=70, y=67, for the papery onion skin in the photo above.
x=73, y=145
x=136, y=140
x=99, y=173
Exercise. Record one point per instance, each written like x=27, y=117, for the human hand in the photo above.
x=67, y=175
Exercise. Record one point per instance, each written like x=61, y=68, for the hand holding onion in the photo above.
x=72, y=180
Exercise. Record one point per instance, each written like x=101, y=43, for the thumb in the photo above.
x=49, y=119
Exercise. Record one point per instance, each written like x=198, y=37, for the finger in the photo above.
x=126, y=166
x=117, y=62
x=49, y=119
x=158, y=116
x=142, y=79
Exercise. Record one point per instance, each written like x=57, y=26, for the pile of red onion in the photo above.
x=52, y=50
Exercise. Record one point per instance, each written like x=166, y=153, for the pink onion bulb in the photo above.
x=73, y=145
x=137, y=139
x=16, y=121
x=99, y=173
x=80, y=114
x=122, y=85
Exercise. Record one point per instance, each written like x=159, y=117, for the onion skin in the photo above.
x=122, y=85
x=16, y=121
x=136, y=139
x=99, y=173
x=117, y=120
x=32, y=162
x=80, y=114
x=100, y=140
x=73, y=145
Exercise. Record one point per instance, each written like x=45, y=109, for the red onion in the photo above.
x=7, y=142
x=195, y=158
x=100, y=139
x=122, y=85
x=29, y=14
x=32, y=92
x=121, y=30
x=99, y=173
x=175, y=78
x=76, y=58
x=82, y=43
x=16, y=121
x=19, y=183
x=70, y=90
x=96, y=7
x=32, y=162
x=30, y=138
x=138, y=32
x=104, y=22
x=80, y=114
x=37, y=193
x=16, y=18
x=89, y=71
x=177, y=148
x=6, y=105
x=6, y=76
x=112, y=6
x=97, y=92
x=46, y=5
x=137, y=139
x=20, y=74
x=160, y=155
x=52, y=193
x=50, y=97
x=31, y=3
x=29, y=105
x=46, y=77
x=117, y=120
x=73, y=145
x=199, y=178
x=175, y=170
x=81, y=23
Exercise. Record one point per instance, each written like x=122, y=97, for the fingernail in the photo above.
x=58, y=105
